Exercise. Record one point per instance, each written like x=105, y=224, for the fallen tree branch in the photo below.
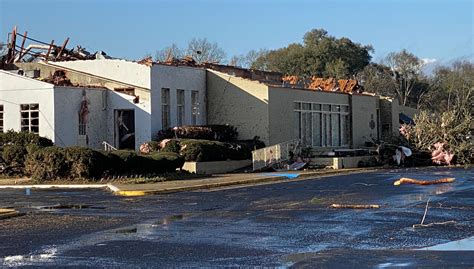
x=354, y=206
x=434, y=224
x=406, y=180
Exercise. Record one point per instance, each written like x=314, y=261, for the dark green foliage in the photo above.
x=166, y=161
x=14, y=157
x=208, y=132
x=172, y=146
x=130, y=162
x=85, y=162
x=320, y=55
x=24, y=139
x=47, y=164
x=208, y=151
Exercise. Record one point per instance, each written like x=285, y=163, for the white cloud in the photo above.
x=426, y=61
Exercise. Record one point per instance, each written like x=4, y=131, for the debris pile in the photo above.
x=59, y=78
x=323, y=84
x=37, y=50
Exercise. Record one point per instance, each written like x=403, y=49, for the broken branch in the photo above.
x=406, y=180
x=354, y=206
x=434, y=224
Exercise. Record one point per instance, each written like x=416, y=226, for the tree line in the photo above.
x=398, y=75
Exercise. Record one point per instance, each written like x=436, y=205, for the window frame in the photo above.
x=32, y=115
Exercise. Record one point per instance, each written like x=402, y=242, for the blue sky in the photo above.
x=441, y=30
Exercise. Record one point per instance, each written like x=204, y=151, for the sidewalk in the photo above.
x=225, y=180
x=211, y=182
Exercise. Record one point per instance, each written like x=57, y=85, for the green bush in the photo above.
x=163, y=162
x=208, y=132
x=208, y=151
x=171, y=146
x=24, y=139
x=85, y=162
x=47, y=164
x=14, y=157
x=130, y=162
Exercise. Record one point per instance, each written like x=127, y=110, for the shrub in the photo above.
x=14, y=157
x=207, y=151
x=130, y=162
x=172, y=146
x=450, y=128
x=23, y=139
x=47, y=164
x=85, y=162
x=166, y=162
x=223, y=133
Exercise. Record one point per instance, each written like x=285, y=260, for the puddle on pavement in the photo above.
x=170, y=219
x=466, y=244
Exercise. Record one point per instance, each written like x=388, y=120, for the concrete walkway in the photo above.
x=224, y=180
x=211, y=182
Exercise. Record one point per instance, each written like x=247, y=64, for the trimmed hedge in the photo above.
x=47, y=164
x=223, y=133
x=83, y=163
x=208, y=151
x=23, y=139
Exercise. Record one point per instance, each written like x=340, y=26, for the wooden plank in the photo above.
x=62, y=48
x=22, y=46
x=49, y=50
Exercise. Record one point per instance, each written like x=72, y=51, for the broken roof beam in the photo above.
x=22, y=47
x=49, y=50
x=11, y=48
x=62, y=48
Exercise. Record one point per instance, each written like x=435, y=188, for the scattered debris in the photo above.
x=6, y=213
x=59, y=78
x=422, y=225
x=323, y=84
x=344, y=206
x=406, y=180
x=38, y=50
x=441, y=156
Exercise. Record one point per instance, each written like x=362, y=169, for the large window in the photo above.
x=194, y=107
x=1, y=119
x=322, y=125
x=29, y=118
x=180, y=106
x=165, y=108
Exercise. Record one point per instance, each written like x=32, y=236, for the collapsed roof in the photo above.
x=33, y=50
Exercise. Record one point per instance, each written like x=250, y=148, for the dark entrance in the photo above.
x=125, y=129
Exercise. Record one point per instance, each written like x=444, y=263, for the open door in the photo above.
x=125, y=129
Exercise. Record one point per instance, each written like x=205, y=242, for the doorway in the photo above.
x=125, y=129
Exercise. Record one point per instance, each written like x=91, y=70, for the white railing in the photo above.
x=265, y=157
x=108, y=147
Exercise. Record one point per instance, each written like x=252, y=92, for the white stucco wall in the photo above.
x=364, y=111
x=67, y=104
x=174, y=78
x=121, y=70
x=239, y=102
x=282, y=124
x=16, y=90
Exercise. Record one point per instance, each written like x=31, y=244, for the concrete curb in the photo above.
x=57, y=186
x=248, y=182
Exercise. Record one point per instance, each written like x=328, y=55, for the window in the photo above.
x=180, y=106
x=29, y=118
x=165, y=108
x=1, y=118
x=194, y=107
x=322, y=125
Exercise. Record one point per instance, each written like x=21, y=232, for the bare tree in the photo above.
x=406, y=70
x=248, y=60
x=204, y=51
x=169, y=52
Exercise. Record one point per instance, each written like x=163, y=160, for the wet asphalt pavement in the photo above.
x=276, y=225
